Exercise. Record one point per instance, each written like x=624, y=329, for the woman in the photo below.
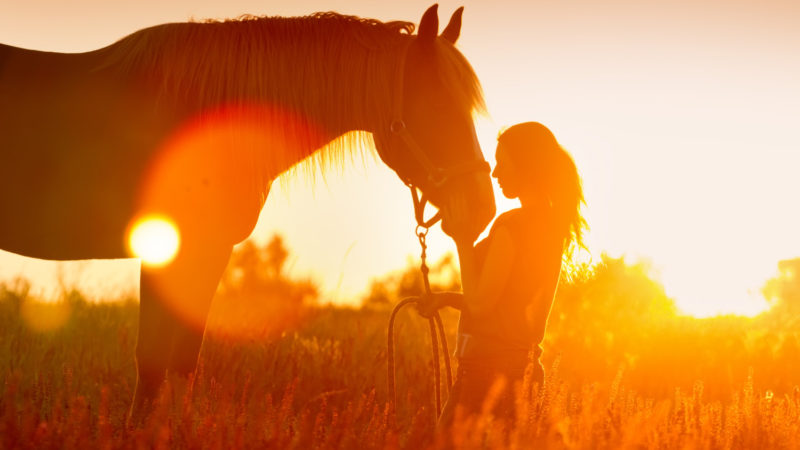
x=509, y=279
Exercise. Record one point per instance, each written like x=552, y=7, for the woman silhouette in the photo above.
x=509, y=279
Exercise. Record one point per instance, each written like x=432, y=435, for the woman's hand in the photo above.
x=429, y=304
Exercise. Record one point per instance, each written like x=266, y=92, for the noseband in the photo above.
x=437, y=176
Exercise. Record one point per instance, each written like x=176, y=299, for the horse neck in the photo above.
x=300, y=91
x=308, y=94
x=328, y=97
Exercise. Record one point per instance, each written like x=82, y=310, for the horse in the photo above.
x=191, y=122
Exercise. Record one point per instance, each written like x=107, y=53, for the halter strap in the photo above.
x=437, y=176
x=398, y=125
x=419, y=210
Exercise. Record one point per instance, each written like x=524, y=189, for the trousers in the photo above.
x=474, y=380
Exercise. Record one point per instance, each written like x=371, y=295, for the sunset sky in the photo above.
x=682, y=117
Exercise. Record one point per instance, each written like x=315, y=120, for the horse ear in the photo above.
x=429, y=24
x=453, y=29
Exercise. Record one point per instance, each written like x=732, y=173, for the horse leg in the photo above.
x=188, y=335
x=151, y=359
x=174, y=305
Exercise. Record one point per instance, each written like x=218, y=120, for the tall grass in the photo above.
x=323, y=385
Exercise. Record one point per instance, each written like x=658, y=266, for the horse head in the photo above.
x=431, y=141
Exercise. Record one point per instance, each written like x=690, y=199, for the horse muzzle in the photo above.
x=474, y=192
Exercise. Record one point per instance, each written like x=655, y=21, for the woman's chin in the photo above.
x=509, y=194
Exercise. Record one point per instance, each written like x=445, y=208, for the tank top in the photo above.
x=515, y=325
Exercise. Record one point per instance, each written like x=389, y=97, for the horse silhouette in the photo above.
x=193, y=121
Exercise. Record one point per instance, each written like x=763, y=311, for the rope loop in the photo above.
x=438, y=336
x=435, y=325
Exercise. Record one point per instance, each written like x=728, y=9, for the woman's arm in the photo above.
x=481, y=286
x=484, y=285
x=437, y=300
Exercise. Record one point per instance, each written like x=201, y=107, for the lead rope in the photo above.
x=435, y=324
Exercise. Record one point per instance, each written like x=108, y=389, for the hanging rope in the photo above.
x=434, y=322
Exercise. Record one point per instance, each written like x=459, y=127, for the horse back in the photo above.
x=76, y=143
x=5, y=50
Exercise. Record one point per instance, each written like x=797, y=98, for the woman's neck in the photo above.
x=533, y=202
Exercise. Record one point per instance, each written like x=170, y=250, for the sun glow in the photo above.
x=155, y=240
x=45, y=317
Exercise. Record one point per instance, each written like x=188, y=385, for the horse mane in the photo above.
x=278, y=61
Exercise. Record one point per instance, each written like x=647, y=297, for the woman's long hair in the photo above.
x=550, y=172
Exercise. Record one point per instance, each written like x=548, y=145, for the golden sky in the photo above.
x=682, y=117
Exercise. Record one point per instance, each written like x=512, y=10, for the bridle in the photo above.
x=436, y=176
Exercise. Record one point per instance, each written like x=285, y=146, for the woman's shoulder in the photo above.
x=521, y=223
x=514, y=221
x=509, y=218
x=507, y=222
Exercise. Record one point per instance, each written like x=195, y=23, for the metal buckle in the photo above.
x=438, y=178
x=397, y=127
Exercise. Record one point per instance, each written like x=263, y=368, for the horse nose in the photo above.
x=485, y=207
x=478, y=193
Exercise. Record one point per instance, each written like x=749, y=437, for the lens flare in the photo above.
x=44, y=317
x=155, y=240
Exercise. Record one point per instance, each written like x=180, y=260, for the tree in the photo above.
x=389, y=289
x=784, y=290
x=255, y=297
x=607, y=316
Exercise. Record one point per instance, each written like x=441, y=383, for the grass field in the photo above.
x=67, y=374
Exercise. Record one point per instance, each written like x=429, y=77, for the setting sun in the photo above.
x=155, y=240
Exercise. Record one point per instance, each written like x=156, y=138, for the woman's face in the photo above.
x=508, y=177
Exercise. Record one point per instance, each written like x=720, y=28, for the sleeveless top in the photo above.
x=515, y=324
